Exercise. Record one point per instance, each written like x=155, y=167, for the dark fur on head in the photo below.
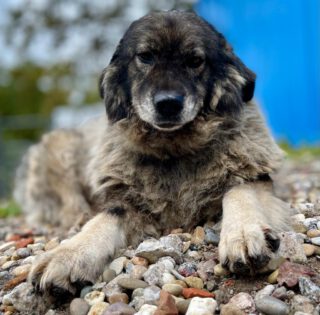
x=174, y=41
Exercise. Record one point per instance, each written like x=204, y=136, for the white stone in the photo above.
x=267, y=290
x=202, y=306
x=147, y=309
x=167, y=278
x=98, y=308
x=94, y=297
x=118, y=264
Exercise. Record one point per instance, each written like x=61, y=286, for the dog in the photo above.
x=182, y=143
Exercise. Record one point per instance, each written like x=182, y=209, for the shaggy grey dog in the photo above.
x=182, y=143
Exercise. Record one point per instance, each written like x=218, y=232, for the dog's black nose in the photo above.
x=168, y=103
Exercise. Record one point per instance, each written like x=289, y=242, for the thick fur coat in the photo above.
x=182, y=144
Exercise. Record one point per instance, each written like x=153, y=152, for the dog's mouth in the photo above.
x=167, y=126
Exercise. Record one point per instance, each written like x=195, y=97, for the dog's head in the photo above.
x=171, y=67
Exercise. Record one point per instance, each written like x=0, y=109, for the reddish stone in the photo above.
x=229, y=283
x=24, y=242
x=289, y=273
x=15, y=281
x=193, y=292
x=166, y=305
x=14, y=237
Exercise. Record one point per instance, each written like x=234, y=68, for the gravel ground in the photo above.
x=180, y=273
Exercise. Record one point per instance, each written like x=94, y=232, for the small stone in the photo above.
x=173, y=289
x=269, y=305
x=98, y=308
x=309, y=249
x=298, y=217
x=301, y=303
x=79, y=307
x=211, y=285
x=194, y=282
x=315, y=241
x=6, y=246
x=85, y=290
x=186, y=246
x=131, y=284
x=147, y=309
x=309, y=289
x=140, y=261
x=108, y=275
x=153, y=276
x=182, y=305
x=181, y=283
x=35, y=247
x=313, y=233
x=24, y=242
x=24, y=269
x=166, y=305
x=299, y=227
x=167, y=278
x=168, y=262
x=176, y=231
x=119, y=297
x=118, y=264
x=280, y=293
x=291, y=247
x=187, y=269
x=267, y=290
x=119, y=309
x=202, y=306
x=205, y=269
x=151, y=294
x=193, y=292
x=198, y=235
x=211, y=237
x=272, y=278
x=138, y=271
x=94, y=297
x=4, y=259
x=230, y=309
x=289, y=273
x=220, y=271
x=10, y=251
x=53, y=243
x=244, y=302
x=9, y=264
x=23, y=252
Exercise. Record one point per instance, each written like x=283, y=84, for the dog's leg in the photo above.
x=82, y=258
x=252, y=217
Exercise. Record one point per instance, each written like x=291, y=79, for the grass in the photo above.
x=9, y=209
x=302, y=152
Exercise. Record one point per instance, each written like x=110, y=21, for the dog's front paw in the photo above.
x=65, y=268
x=247, y=248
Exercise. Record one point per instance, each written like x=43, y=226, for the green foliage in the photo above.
x=302, y=151
x=9, y=209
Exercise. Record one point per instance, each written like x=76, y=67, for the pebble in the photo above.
x=79, y=307
x=280, y=293
x=272, y=278
x=118, y=264
x=187, y=269
x=267, y=290
x=23, y=252
x=211, y=237
x=153, y=276
x=119, y=297
x=315, y=241
x=147, y=309
x=6, y=246
x=220, y=271
x=309, y=249
x=301, y=303
x=313, y=233
x=108, y=275
x=269, y=305
x=205, y=269
x=98, y=308
x=194, y=282
x=140, y=261
x=168, y=262
x=230, y=309
x=24, y=269
x=167, y=278
x=35, y=247
x=181, y=283
x=85, y=290
x=151, y=294
x=119, y=308
x=198, y=235
x=166, y=305
x=243, y=301
x=131, y=284
x=193, y=292
x=202, y=306
x=173, y=289
x=310, y=289
x=138, y=271
x=182, y=305
x=94, y=297
x=291, y=247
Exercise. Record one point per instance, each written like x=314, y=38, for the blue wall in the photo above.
x=280, y=41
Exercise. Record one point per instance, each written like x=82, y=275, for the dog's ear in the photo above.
x=114, y=87
x=235, y=87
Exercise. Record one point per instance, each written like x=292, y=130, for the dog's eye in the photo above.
x=146, y=57
x=194, y=62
